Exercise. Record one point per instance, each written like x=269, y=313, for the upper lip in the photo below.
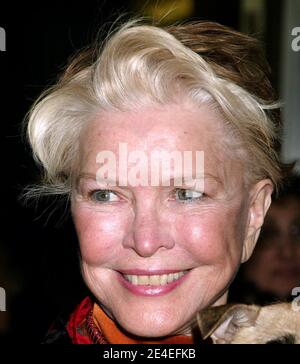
x=146, y=272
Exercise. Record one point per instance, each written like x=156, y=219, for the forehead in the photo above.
x=170, y=127
x=176, y=127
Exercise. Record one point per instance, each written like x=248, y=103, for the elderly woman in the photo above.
x=155, y=248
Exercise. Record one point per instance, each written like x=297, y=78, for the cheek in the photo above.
x=99, y=234
x=210, y=237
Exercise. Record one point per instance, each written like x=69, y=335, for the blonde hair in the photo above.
x=144, y=65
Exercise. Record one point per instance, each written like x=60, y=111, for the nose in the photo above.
x=149, y=232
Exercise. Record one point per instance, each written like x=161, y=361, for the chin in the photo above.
x=149, y=328
x=149, y=332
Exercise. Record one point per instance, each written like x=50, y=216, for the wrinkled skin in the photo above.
x=148, y=227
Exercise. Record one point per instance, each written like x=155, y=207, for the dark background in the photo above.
x=38, y=247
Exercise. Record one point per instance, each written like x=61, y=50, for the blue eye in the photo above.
x=104, y=196
x=188, y=195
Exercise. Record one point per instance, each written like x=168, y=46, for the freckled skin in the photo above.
x=147, y=229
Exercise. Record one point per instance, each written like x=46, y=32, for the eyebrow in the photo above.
x=92, y=176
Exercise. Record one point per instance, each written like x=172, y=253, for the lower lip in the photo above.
x=147, y=290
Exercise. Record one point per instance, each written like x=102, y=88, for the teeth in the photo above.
x=163, y=279
x=154, y=280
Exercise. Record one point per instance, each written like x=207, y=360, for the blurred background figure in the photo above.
x=274, y=268
x=36, y=243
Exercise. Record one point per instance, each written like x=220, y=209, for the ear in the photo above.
x=260, y=201
x=223, y=322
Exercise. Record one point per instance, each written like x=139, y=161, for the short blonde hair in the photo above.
x=143, y=65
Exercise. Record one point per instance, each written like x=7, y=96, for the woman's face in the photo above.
x=144, y=230
x=275, y=265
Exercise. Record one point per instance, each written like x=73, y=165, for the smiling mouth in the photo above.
x=154, y=280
